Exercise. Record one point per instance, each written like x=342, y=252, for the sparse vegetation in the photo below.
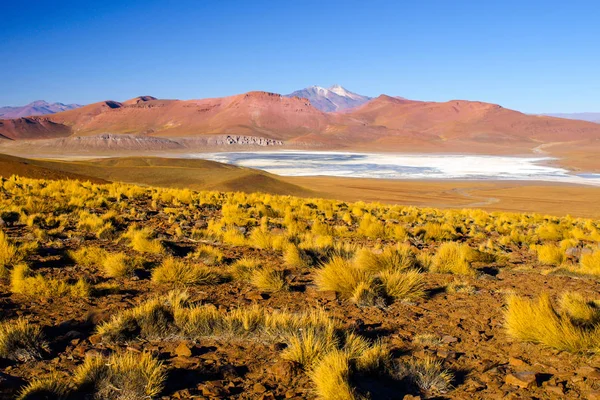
x=63, y=241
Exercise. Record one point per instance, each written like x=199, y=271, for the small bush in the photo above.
x=121, y=376
x=22, y=282
x=21, y=341
x=331, y=377
x=141, y=240
x=341, y=276
x=176, y=271
x=408, y=285
x=243, y=268
x=537, y=321
x=54, y=387
x=453, y=258
x=208, y=255
x=269, y=280
x=427, y=374
x=308, y=346
x=550, y=254
x=295, y=257
x=117, y=265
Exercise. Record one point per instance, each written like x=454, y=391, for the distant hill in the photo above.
x=38, y=107
x=335, y=98
x=584, y=116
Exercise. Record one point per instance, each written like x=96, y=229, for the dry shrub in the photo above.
x=141, y=240
x=427, y=374
x=550, y=254
x=408, y=285
x=579, y=309
x=453, y=258
x=54, y=387
x=123, y=376
x=295, y=257
x=22, y=282
x=537, y=321
x=590, y=263
x=21, y=341
x=91, y=256
x=331, y=377
x=208, y=255
x=243, y=268
x=172, y=270
x=117, y=265
x=269, y=280
x=341, y=276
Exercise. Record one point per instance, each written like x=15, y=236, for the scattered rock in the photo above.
x=525, y=379
x=449, y=339
x=555, y=389
x=183, y=350
x=516, y=362
x=588, y=372
x=95, y=339
x=284, y=370
x=256, y=296
x=259, y=388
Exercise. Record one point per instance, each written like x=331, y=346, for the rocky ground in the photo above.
x=464, y=330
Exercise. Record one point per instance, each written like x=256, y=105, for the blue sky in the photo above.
x=534, y=56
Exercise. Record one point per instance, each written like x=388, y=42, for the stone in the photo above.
x=588, y=372
x=256, y=296
x=525, y=379
x=2, y=223
x=183, y=350
x=285, y=370
x=555, y=389
x=449, y=339
x=516, y=362
x=593, y=395
x=328, y=295
x=259, y=388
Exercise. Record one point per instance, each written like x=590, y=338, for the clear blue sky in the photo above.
x=535, y=56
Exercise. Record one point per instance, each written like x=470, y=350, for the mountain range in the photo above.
x=38, y=107
x=384, y=123
x=335, y=98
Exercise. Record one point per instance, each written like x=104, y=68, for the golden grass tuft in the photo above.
x=331, y=377
x=208, y=255
x=550, y=254
x=579, y=309
x=537, y=321
x=243, y=268
x=8, y=252
x=409, y=285
x=22, y=282
x=453, y=258
x=21, y=340
x=53, y=387
x=590, y=263
x=117, y=265
x=90, y=256
x=341, y=276
x=121, y=376
x=269, y=280
x=428, y=375
x=172, y=270
x=141, y=240
x=295, y=257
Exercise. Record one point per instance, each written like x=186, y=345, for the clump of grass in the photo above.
x=153, y=319
x=243, y=268
x=590, y=263
x=21, y=340
x=8, y=252
x=366, y=293
x=269, y=279
x=537, y=321
x=22, y=282
x=579, y=309
x=234, y=237
x=427, y=339
x=453, y=258
x=172, y=270
x=408, y=285
x=398, y=258
x=341, y=276
x=90, y=256
x=141, y=240
x=308, y=346
x=208, y=255
x=331, y=377
x=427, y=374
x=121, y=377
x=295, y=257
x=117, y=265
x=53, y=387
x=550, y=254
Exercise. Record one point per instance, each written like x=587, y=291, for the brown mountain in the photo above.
x=384, y=123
